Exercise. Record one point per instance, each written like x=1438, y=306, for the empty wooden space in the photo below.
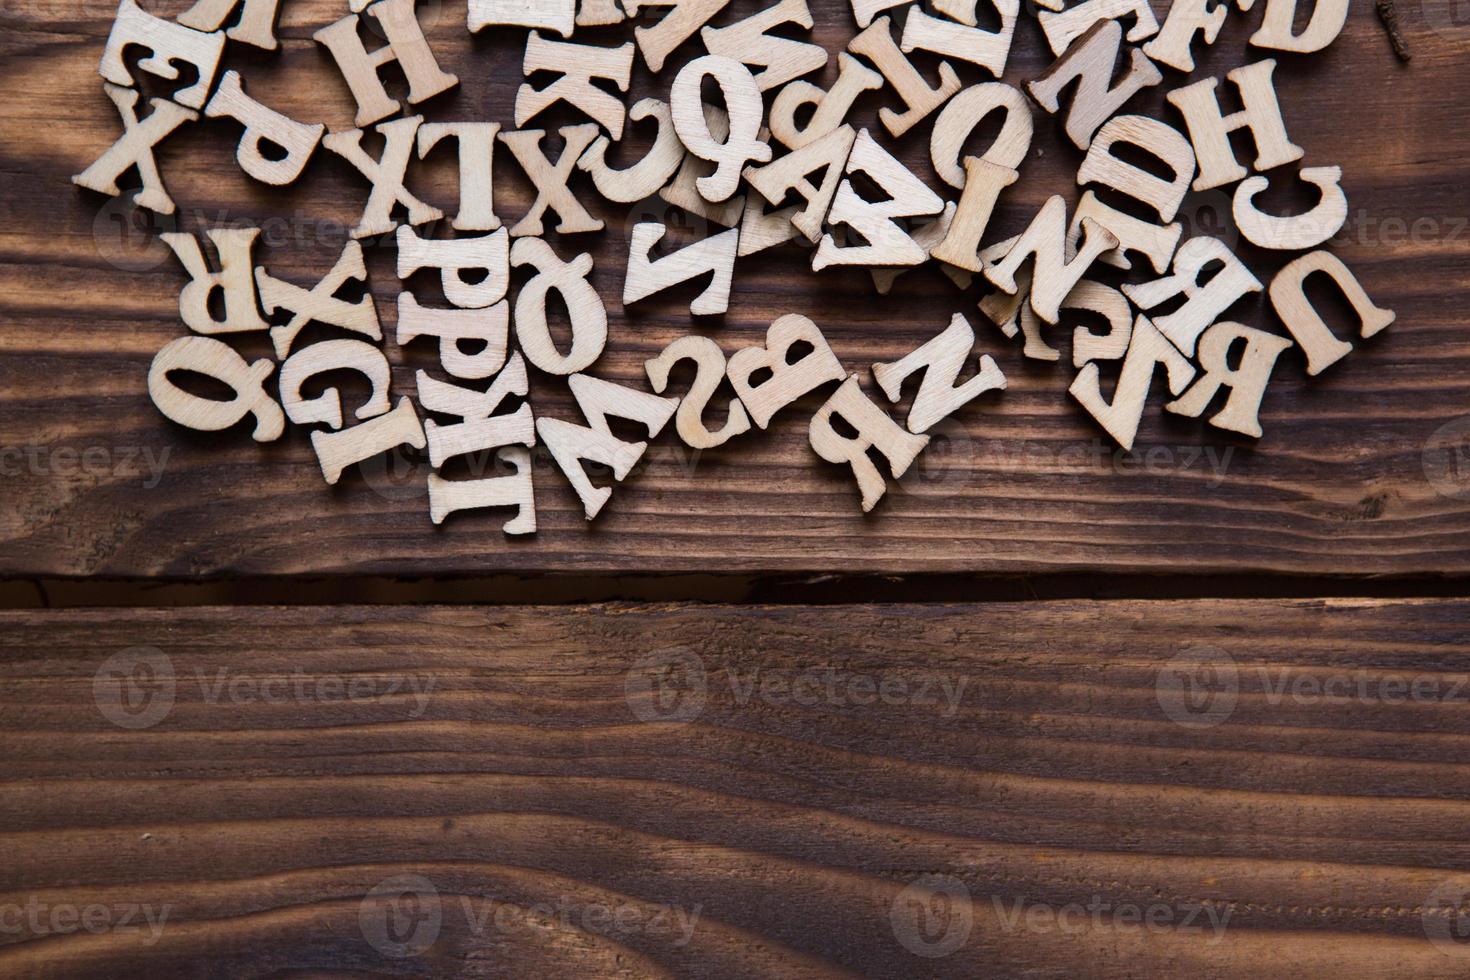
x=742, y=791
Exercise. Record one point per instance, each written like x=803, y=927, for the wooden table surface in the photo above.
x=1225, y=740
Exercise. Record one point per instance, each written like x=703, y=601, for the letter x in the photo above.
x=386, y=174
x=135, y=147
x=551, y=179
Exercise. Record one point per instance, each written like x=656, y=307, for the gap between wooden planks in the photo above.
x=532, y=764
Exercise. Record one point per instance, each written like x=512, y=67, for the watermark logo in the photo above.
x=946, y=465
x=1100, y=913
x=933, y=916
x=1446, y=460
x=1198, y=688
x=401, y=916
x=1450, y=19
x=667, y=686
x=134, y=689
x=126, y=236
x=1446, y=917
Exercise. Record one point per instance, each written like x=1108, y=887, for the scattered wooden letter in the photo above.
x=551, y=15
x=584, y=306
x=476, y=145
x=333, y=355
x=1296, y=232
x=887, y=243
x=1328, y=20
x=262, y=123
x=335, y=451
x=166, y=42
x=209, y=357
x=551, y=179
x=385, y=174
x=715, y=254
x=1090, y=63
x=1062, y=28
x=988, y=49
x=234, y=280
x=709, y=363
x=964, y=113
x=1147, y=349
x=134, y=148
x=1289, y=298
x=406, y=45
x=255, y=26
x=941, y=360
x=1161, y=141
x=645, y=177
x=876, y=44
x=480, y=427
x=788, y=379
x=1247, y=382
x=489, y=327
x=656, y=43
x=570, y=444
x=791, y=172
x=1205, y=303
x=829, y=107
x=452, y=257
x=748, y=42
x=1054, y=273
x=320, y=303
x=875, y=430
x=1209, y=129
x=578, y=64
x=744, y=109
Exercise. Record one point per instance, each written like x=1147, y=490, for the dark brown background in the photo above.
x=1323, y=827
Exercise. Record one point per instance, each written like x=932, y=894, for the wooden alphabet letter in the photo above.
x=515, y=490
x=298, y=140
x=1247, y=382
x=715, y=254
x=788, y=380
x=965, y=112
x=829, y=108
x=1210, y=130
x=489, y=326
x=335, y=451
x=828, y=154
x=887, y=242
x=1147, y=349
x=480, y=427
x=1297, y=232
x=709, y=361
x=941, y=360
x=744, y=108
x=255, y=26
x=658, y=42
x=135, y=148
x=875, y=430
x=1054, y=273
x=1064, y=27
x=233, y=280
x=476, y=142
x=385, y=174
x=645, y=177
x=551, y=180
x=578, y=64
x=1163, y=142
x=876, y=44
x=209, y=357
x=1290, y=300
x=748, y=42
x=320, y=303
x=1204, y=303
x=1171, y=46
x=406, y=45
x=988, y=49
x=570, y=444
x=551, y=15
x=333, y=355
x=584, y=308
x=452, y=257
x=1328, y=19
x=166, y=42
x=1090, y=63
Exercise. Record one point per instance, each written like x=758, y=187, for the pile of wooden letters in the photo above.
x=751, y=168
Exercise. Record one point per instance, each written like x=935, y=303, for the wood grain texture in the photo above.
x=550, y=770
x=1021, y=484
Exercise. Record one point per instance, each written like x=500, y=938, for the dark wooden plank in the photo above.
x=780, y=776
x=1024, y=483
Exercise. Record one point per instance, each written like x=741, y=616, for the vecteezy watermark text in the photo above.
x=98, y=462
x=36, y=918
